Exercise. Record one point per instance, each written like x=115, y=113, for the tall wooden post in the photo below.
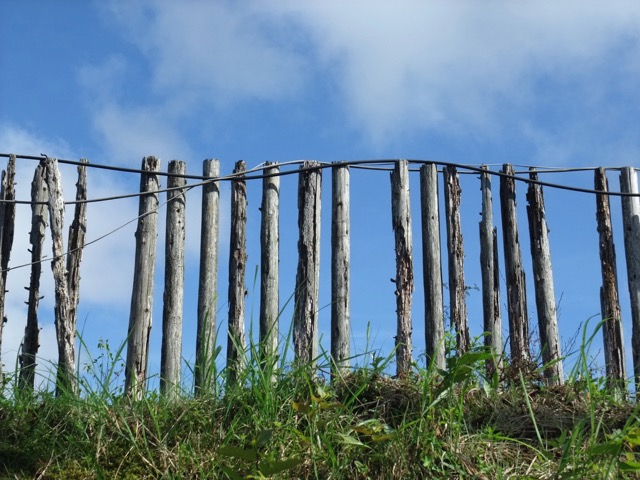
x=77, y=234
x=543, y=282
x=171, y=353
x=305, y=317
x=269, y=261
x=516, y=288
x=7, y=221
x=66, y=381
x=490, y=278
x=39, y=223
x=208, y=280
x=142, y=293
x=401, y=221
x=455, y=249
x=236, y=342
x=609, y=299
x=631, y=223
x=340, y=269
x=432, y=267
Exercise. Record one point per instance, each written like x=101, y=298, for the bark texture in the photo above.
x=142, y=294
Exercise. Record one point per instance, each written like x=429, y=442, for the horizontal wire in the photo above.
x=362, y=164
x=101, y=237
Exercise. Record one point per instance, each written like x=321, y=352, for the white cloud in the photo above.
x=131, y=133
x=453, y=65
x=220, y=51
x=15, y=139
x=400, y=68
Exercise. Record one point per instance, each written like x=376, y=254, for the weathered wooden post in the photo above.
x=455, y=249
x=7, y=221
x=401, y=221
x=171, y=353
x=77, y=233
x=142, y=294
x=543, y=282
x=208, y=279
x=631, y=224
x=490, y=278
x=236, y=342
x=340, y=269
x=305, y=317
x=609, y=299
x=432, y=266
x=269, y=261
x=516, y=288
x=66, y=381
x=39, y=223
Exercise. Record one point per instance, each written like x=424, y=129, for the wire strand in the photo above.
x=372, y=164
x=101, y=237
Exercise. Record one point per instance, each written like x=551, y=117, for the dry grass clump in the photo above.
x=393, y=400
x=547, y=411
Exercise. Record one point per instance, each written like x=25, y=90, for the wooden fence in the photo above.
x=48, y=208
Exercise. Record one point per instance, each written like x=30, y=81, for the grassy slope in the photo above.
x=451, y=424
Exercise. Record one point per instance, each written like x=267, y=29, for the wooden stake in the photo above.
x=516, y=287
x=432, y=266
x=609, y=299
x=543, y=282
x=340, y=269
x=631, y=223
x=77, y=233
x=66, y=381
x=269, y=260
x=208, y=281
x=7, y=224
x=305, y=317
x=142, y=294
x=401, y=220
x=39, y=223
x=490, y=278
x=171, y=356
x=455, y=248
x=236, y=342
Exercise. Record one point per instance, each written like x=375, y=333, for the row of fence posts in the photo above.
x=47, y=204
x=305, y=322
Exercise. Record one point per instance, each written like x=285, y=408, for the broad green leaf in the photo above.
x=232, y=474
x=272, y=468
x=364, y=430
x=322, y=393
x=633, y=437
x=301, y=407
x=329, y=405
x=264, y=437
x=605, y=449
x=239, y=452
x=349, y=440
x=629, y=466
x=381, y=438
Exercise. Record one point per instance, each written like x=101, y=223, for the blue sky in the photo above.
x=537, y=83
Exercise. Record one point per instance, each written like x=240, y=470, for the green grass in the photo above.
x=290, y=423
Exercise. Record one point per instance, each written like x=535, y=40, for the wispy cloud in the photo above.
x=220, y=51
x=399, y=69
x=460, y=66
